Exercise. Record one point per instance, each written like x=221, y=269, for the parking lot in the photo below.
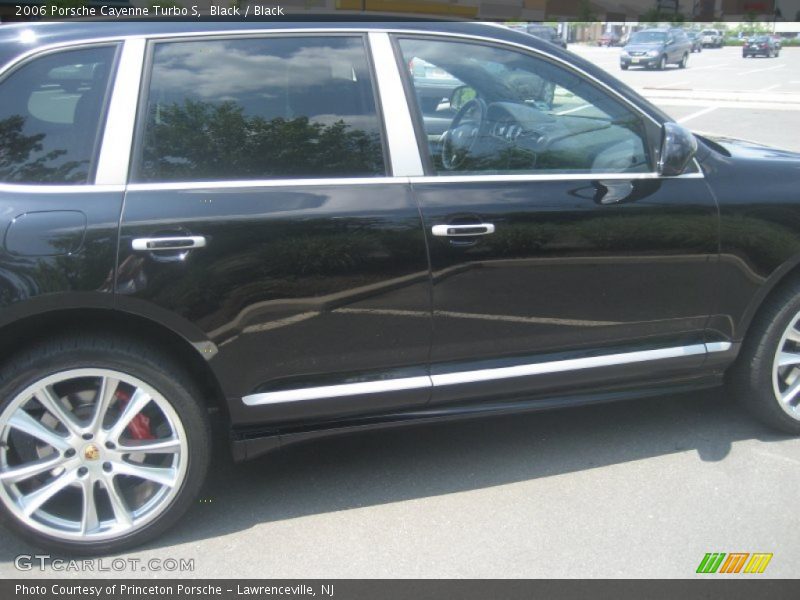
x=720, y=92
x=634, y=489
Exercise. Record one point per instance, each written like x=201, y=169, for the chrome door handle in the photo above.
x=169, y=243
x=463, y=230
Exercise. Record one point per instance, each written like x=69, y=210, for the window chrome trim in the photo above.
x=438, y=380
x=403, y=148
x=43, y=188
x=510, y=178
x=115, y=151
x=258, y=183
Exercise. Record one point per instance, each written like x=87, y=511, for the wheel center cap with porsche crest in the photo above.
x=91, y=452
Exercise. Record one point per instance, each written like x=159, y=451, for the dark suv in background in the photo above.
x=279, y=228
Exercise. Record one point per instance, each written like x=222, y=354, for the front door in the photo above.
x=551, y=238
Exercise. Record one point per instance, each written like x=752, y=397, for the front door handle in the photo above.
x=463, y=230
x=169, y=243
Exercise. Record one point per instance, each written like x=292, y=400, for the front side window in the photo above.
x=51, y=111
x=493, y=111
x=281, y=107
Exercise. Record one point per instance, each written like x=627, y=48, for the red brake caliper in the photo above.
x=139, y=427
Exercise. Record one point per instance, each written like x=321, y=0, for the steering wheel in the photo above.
x=460, y=138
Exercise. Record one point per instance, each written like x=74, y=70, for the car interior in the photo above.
x=493, y=112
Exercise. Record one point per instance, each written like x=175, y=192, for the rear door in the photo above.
x=262, y=209
x=560, y=258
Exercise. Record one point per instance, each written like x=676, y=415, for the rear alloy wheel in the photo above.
x=100, y=448
x=766, y=376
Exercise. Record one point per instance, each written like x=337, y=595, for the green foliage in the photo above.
x=200, y=140
x=22, y=157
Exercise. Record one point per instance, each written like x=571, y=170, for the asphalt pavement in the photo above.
x=635, y=489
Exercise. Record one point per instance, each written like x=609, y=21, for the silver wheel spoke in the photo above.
x=54, y=406
x=160, y=475
x=793, y=335
x=790, y=393
x=22, y=421
x=168, y=446
x=138, y=401
x=89, y=520
x=33, y=501
x=122, y=513
x=105, y=395
x=788, y=358
x=31, y=469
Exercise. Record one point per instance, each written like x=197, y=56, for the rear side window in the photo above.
x=263, y=108
x=51, y=111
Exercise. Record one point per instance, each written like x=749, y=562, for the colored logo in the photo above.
x=734, y=562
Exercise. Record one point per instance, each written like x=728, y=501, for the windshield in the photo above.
x=709, y=32
x=648, y=37
x=760, y=38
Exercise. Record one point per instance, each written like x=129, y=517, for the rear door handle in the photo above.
x=169, y=243
x=463, y=230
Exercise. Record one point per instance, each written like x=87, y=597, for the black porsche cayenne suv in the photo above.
x=288, y=228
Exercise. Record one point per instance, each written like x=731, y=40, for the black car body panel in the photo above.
x=340, y=284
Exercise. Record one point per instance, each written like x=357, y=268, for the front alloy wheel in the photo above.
x=766, y=376
x=96, y=458
x=786, y=370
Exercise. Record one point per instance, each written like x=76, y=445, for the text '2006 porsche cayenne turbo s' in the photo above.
x=300, y=230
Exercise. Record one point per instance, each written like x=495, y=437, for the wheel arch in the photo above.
x=38, y=325
x=787, y=274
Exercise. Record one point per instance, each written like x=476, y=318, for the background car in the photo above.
x=762, y=45
x=608, y=39
x=778, y=41
x=711, y=38
x=546, y=33
x=656, y=48
x=697, y=42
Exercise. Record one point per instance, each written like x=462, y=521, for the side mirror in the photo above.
x=678, y=147
x=460, y=96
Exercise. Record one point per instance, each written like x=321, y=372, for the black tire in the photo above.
x=624, y=67
x=662, y=63
x=684, y=60
x=142, y=362
x=751, y=377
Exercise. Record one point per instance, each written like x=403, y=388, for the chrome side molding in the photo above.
x=432, y=381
